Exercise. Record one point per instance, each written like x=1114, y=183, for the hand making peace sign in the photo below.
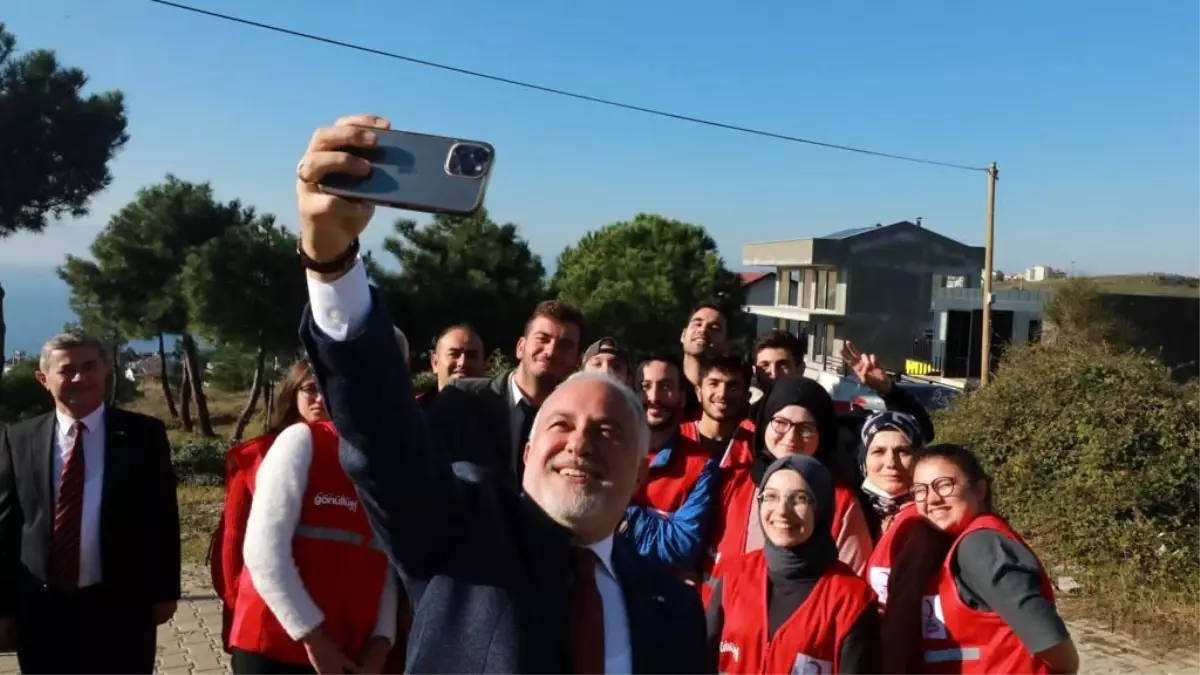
x=867, y=369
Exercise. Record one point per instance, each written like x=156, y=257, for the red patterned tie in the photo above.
x=68, y=519
x=587, y=615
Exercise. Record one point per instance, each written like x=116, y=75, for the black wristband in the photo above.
x=334, y=266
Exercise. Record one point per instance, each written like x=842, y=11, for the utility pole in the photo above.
x=986, y=355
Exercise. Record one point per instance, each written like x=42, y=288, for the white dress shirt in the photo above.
x=340, y=308
x=279, y=487
x=618, y=650
x=93, y=484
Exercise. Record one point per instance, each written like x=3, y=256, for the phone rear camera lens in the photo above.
x=469, y=161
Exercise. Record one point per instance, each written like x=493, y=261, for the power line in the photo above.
x=562, y=92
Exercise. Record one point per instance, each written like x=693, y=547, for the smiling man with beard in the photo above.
x=486, y=421
x=502, y=580
x=704, y=336
x=723, y=391
x=669, y=518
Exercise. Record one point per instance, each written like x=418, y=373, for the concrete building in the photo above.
x=873, y=286
x=954, y=344
x=1040, y=273
x=760, y=290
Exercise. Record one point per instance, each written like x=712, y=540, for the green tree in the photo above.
x=23, y=396
x=141, y=255
x=1093, y=454
x=243, y=291
x=1077, y=308
x=55, y=141
x=461, y=269
x=637, y=280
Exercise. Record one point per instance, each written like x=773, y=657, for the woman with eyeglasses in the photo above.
x=990, y=607
x=797, y=417
x=793, y=606
x=315, y=595
x=296, y=401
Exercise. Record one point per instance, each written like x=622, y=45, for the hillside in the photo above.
x=1174, y=285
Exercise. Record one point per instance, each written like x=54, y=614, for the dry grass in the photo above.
x=1156, y=620
x=223, y=407
x=1128, y=284
x=200, y=506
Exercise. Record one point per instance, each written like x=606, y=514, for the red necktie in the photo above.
x=587, y=615
x=68, y=518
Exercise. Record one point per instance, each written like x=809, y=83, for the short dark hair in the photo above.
x=779, y=339
x=964, y=459
x=707, y=304
x=658, y=358
x=560, y=311
x=458, y=326
x=730, y=364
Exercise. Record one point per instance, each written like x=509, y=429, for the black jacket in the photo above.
x=485, y=568
x=471, y=421
x=139, y=512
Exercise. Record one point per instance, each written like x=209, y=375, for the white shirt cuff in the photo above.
x=341, y=307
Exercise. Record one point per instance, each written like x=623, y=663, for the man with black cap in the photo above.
x=606, y=356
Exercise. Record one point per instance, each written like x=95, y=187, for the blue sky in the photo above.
x=1090, y=109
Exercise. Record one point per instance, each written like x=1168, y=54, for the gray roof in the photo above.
x=846, y=234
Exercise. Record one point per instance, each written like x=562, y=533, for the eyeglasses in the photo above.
x=790, y=500
x=781, y=426
x=943, y=487
x=310, y=390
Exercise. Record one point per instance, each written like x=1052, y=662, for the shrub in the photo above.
x=426, y=379
x=200, y=462
x=499, y=363
x=1095, y=456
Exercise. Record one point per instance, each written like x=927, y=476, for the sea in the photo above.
x=37, y=306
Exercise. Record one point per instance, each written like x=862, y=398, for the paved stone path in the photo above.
x=191, y=642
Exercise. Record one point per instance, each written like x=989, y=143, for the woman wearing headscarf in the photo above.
x=797, y=418
x=990, y=607
x=793, y=606
x=889, y=440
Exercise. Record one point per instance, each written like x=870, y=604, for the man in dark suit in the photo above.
x=485, y=421
x=89, y=525
x=501, y=581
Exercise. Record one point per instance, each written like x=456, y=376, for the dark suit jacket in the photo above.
x=486, y=570
x=471, y=421
x=139, y=512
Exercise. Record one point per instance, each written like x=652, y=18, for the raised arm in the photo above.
x=387, y=449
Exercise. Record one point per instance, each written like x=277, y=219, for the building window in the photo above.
x=806, y=285
x=826, y=290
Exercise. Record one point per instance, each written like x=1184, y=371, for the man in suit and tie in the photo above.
x=89, y=525
x=485, y=421
x=501, y=580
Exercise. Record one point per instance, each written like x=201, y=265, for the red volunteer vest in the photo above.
x=670, y=483
x=225, y=549
x=879, y=565
x=843, y=499
x=738, y=503
x=809, y=641
x=727, y=536
x=959, y=639
x=340, y=568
